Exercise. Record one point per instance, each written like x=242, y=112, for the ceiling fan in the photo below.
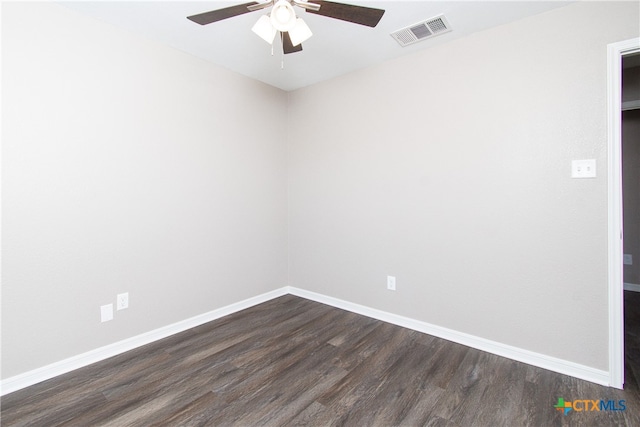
x=293, y=30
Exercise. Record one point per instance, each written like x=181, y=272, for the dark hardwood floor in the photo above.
x=291, y=361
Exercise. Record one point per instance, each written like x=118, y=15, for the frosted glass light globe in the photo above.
x=283, y=17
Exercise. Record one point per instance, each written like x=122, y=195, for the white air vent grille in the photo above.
x=422, y=30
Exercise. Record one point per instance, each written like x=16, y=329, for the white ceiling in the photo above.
x=336, y=48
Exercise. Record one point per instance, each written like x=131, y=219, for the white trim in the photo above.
x=67, y=365
x=615, y=51
x=35, y=376
x=536, y=359
x=631, y=287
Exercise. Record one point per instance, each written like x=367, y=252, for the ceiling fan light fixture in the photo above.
x=264, y=29
x=283, y=17
x=300, y=32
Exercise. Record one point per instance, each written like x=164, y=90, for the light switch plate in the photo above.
x=628, y=259
x=583, y=168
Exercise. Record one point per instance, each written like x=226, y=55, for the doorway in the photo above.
x=631, y=215
x=617, y=52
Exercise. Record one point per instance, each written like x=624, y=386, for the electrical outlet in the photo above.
x=583, y=168
x=391, y=283
x=628, y=259
x=122, y=301
x=106, y=312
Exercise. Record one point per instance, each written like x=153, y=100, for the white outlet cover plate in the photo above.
x=106, y=312
x=122, y=301
x=391, y=283
x=583, y=168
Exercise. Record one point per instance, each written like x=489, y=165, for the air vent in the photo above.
x=422, y=31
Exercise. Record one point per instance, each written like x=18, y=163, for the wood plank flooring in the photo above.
x=291, y=361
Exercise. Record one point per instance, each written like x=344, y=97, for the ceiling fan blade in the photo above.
x=260, y=6
x=346, y=12
x=220, y=14
x=287, y=45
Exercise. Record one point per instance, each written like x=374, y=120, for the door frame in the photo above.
x=615, y=52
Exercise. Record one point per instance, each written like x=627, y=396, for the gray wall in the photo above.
x=128, y=166
x=631, y=82
x=450, y=169
x=631, y=185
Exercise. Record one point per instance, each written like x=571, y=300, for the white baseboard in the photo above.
x=631, y=287
x=529, y=357
x=35, y=376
